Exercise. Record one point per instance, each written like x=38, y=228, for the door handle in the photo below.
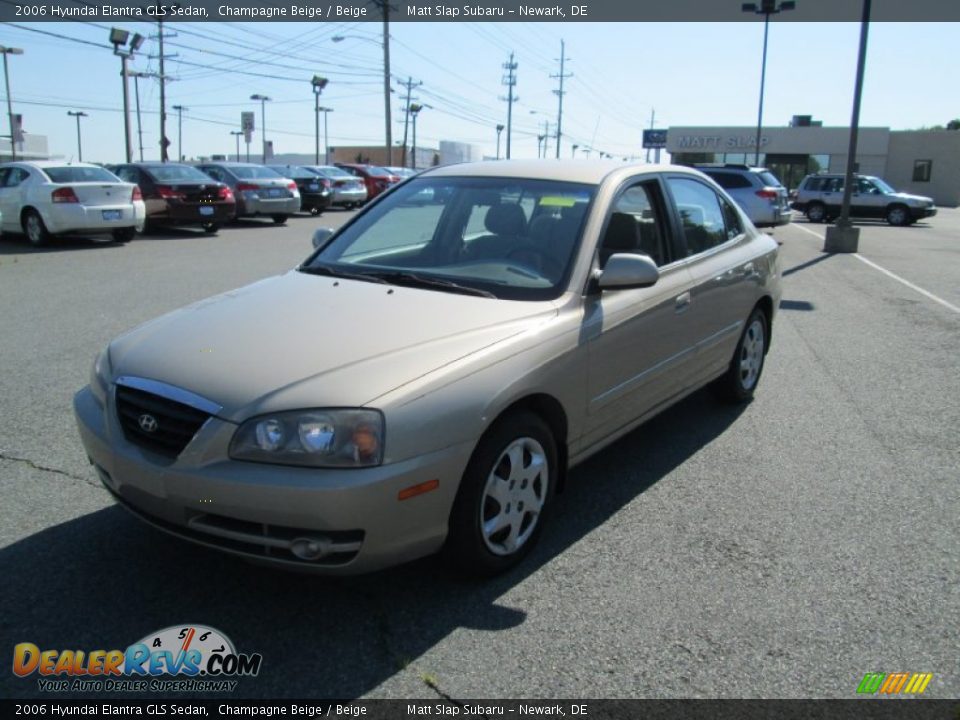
x=682, y=302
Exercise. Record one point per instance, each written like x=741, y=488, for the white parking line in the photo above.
x=886, y=272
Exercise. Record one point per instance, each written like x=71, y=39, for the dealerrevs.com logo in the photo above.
x=186, y=658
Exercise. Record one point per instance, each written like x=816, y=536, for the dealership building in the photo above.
x=922, y=162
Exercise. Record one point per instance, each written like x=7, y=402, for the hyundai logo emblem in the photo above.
x=148, y=423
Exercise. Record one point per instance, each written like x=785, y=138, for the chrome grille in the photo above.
x=173, y=423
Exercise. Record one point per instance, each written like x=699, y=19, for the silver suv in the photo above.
x=819, y=197
x=756, y=190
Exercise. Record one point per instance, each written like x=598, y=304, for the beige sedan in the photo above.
x=427, y=377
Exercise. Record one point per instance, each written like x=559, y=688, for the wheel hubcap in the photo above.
x=751, y=355
x=896, y=216
x=513, y=496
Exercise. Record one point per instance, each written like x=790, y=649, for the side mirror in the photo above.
x=628, y=270
x=321, y=236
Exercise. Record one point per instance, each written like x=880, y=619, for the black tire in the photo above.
x=740, y=381
x=124, y=235
x=316, y=211
x=816, y=212
x=210, y=228
x=35, y=229
x=898, y=215
x=279, y=219
x=471, y=549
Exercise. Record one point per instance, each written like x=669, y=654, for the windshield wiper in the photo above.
x=410, y=279
x=331, y=272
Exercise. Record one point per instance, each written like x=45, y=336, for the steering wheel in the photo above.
x=534, y=258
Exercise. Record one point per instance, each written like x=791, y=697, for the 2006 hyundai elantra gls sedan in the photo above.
x=426, y=378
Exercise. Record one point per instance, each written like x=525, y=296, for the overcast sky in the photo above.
x=690, y=73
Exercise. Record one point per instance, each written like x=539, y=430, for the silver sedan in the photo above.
x=427, y=377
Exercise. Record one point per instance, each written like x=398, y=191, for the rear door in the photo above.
x=720, y=260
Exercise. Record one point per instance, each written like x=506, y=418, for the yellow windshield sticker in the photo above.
x=558, y=201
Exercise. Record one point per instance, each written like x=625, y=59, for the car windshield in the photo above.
x=375, y=170
x=509, y=237
x=74, y=174
x=175, y=173
x=881, y=184
x=248, y=172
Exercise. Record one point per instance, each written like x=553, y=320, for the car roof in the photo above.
x=53, y=163
x=591, y=172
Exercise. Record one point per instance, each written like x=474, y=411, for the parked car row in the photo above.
x=45, y=198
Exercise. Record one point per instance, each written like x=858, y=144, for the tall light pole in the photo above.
x=118, y=38
x=136, y=93
x=415, y=109
x=318, y=83
x=263, y=121
x=766, y=8
x=237, y=134
x=78, y=114
x=326, y=137
x=384, y=5
x=843, y=237
x=179, y=109
x=6, y=76
x=573, y=151
x=499, y=130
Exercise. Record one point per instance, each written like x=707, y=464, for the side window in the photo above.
x=15, y=177
x=730, y=181
x=865, y=186
x=215, y=173
x=701, y=216
x=3, y=176
x=733, y=222
x=635, y=225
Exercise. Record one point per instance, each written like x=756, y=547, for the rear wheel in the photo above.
x=898, y=215
x=279, y=219
x=124, y=235
x=35, y=229
x=816, y=212
x=210, y=228
x=506, y=488
x=740, y=381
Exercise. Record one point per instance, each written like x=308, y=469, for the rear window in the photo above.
x=769, y=179
x=174, y=173
x=72, y=174
x=729, y=181
x=334, y=172
x=295, y=173
x=253, y=171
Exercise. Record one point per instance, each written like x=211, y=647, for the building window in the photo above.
x=921, y=170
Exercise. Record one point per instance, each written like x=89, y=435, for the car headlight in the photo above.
x=100, y=375
x=312, y=438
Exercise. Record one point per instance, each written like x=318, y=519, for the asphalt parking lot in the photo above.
x=782, y=549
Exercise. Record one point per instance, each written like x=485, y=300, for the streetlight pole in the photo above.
x=843, y=237
x=78, y=114
x=136, y=93
x=263, y=121
x=326, y=136
x=179, y=109
x=384, y=5
x=237, y=134
x=499, y=130
x=118, y=38
x=766, y=8
x=6, y=76
x=318, y=83
x=415, y=109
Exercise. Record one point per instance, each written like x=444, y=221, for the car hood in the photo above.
x=913, y=198
x=298, y=340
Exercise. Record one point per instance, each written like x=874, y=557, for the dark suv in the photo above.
x=820, y=196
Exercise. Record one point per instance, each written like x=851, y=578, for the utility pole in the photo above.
x=78, y=115
x=180, y=109
x=559, y=93
x=510, y=80
x=164, y=142
x=409, y=84
x=136, y=93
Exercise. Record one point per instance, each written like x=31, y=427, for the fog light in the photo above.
x=310, y=548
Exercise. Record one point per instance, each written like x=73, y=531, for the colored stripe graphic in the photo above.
x=894, y=683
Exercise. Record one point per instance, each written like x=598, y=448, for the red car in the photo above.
x=375, y=178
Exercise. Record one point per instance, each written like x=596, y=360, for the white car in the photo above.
x=46, y=198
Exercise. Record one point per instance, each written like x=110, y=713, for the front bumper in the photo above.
x=923, y=212
x=257, y=511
